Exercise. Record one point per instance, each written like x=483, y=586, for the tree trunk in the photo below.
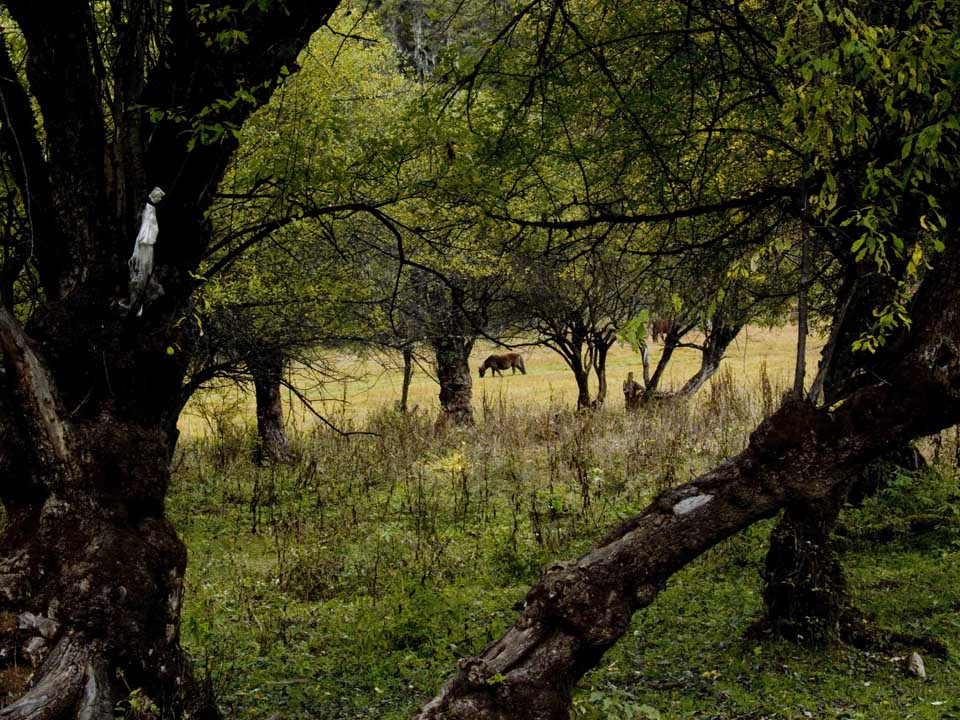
x=407, y=378
x=267, y=373
x=600, y=367
x=715, y=347
x=803, y=312
x=801, y=454
x=670, y=342
x=456, y=385
x=805, y=594
x=582, y=375
x=92, y=571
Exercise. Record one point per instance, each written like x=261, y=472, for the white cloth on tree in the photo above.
x=143, y=288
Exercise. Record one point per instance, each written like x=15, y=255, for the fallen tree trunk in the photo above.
x=580, y=608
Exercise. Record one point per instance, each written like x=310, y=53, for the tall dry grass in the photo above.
x=374, y=382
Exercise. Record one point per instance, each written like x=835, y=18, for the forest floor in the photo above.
x=349, y=583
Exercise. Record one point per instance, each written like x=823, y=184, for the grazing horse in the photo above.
x=496, y=363
x=662, y=328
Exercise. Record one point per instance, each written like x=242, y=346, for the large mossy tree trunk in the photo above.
x=805, y=589
x=91, y=568
x=801, y=454
x=91, y=571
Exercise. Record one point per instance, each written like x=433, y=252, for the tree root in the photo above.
x=861, y=631
x=74, y=676
x=97, y=700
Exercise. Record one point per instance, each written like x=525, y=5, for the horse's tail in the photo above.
x=520, y=364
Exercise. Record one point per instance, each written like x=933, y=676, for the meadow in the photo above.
x=349, y=582
x=368, y=384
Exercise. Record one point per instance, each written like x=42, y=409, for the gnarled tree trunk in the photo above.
x=805, y=593
x=805, y=589
x=91, y=567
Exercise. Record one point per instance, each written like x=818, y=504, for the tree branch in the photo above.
x=61, y=682
x=63, y=83
x=602, y=216
x=33, y=387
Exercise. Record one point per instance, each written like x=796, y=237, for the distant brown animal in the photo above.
x=496, y=363
x=662, y=328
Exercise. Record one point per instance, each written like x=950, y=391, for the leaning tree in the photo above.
x=111, y=100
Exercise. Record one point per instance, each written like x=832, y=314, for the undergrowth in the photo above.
x=348, y=583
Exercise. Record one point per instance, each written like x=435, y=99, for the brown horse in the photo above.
x=496, y=363
x=662, y=328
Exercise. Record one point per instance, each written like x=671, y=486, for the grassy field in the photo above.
x=347, y=584
x=375, y=383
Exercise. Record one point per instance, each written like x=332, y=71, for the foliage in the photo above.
x=874, y=107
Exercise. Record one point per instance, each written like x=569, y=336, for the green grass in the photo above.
x=348, y=584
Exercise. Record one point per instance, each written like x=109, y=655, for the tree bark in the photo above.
x=582, y=376
x=805, y=596
x=805, y=591
x=600, y=351
x=670, y=342
x=267, y=372
x=456, y=386
x=711, y=354
x=800, y=454
x=90, y=565
x=803, y=311
x=715, y=347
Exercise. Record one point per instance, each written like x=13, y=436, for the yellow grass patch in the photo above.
x=548, y=381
